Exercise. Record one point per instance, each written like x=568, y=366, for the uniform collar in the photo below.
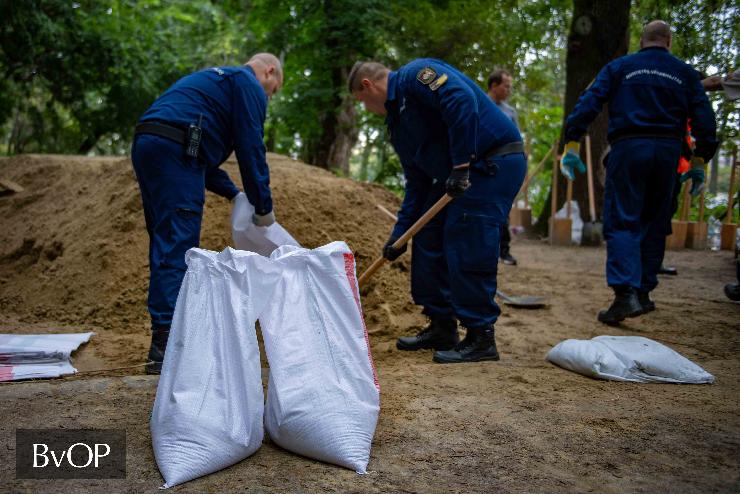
x=662, y=48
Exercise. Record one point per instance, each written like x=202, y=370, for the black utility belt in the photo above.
x=645, y=135
x=189, y=138
x=509, y=148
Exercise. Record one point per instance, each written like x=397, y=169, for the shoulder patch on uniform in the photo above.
x=426, y=75
x=438, y=83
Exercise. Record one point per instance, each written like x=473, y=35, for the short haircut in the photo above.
x=374, y=71
x=497, y=77
x=268, y=59
x=656, y=31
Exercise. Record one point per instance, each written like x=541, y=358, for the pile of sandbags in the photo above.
x=323, y=395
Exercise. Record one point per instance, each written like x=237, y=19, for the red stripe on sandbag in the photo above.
x=6, y=373
x=349, y=269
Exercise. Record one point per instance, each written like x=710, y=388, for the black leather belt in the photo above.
x=645, y=135
x=511, y=147
x=161, y=129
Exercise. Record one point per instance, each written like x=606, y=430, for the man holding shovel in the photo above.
x=179, y=144
x=650, y=94
x=451, y=139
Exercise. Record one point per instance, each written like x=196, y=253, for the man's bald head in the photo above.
x=267, y=60
x=269, y=72
x=656, y=33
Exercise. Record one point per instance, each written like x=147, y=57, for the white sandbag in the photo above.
x=209, y=408
x=250, y=237
x=576, y=221
x=627, y=358
x=323, y=396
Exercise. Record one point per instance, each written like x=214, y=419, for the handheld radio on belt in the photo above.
x=193, y=138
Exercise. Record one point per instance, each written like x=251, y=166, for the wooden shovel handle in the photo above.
x=590, y=176
x=420, y=223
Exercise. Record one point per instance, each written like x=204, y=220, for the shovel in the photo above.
x=593, y=231
x=525, y=302
x=420, y=223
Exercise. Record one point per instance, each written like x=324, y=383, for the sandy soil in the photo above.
x=73, y=258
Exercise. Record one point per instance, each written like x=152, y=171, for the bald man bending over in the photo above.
x=651, y=94
x=179, y=144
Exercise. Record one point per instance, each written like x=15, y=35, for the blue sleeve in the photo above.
x=589, y=105
x=702, y=120
x=219, y=182
x=457, y=104
x=249, y=110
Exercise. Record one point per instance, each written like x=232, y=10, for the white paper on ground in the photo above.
x=323, y=395
x=250, y=237
x=209, y=407
x=627, y=358
x=36, y=356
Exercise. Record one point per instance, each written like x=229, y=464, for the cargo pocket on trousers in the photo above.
x=184, y=233
x=477, y=237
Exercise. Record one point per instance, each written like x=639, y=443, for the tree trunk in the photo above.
x=598, y=34
x=345, y=137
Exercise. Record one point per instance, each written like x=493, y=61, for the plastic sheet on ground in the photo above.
x=208, y=411
x=37, y=356
x=627, y=358
x=250, y=237
x=323, y=395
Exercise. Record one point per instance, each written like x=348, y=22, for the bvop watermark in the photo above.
x=70, y=454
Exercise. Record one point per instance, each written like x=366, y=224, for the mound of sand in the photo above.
x=75, y=249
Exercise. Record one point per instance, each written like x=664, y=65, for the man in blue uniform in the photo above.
x=179, y=144
x=499, y=90
x=650, y=94
x=450, y=138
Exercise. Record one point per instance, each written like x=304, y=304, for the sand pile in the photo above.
x=74, y=247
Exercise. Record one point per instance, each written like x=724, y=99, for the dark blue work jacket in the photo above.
x=438, y=118
x=650, y=92
x=233, y=106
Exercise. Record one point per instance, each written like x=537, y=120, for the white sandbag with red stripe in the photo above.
x=323, y=395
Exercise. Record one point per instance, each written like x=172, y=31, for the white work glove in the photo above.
x=264, y=219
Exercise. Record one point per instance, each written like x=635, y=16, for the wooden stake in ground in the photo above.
x=729, y=229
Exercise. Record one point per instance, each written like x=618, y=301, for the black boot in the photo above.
x=669, y=270
x=732, y=290
x=478, y=345
x=507, y=258
x=156, y=350
x=647, y=304
x=626, y=304
x=440, y=334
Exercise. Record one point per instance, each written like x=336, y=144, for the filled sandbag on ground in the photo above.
x=627, y=358
x=323, y=395
x=208, y=412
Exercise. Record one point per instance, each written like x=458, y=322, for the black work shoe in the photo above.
x=156, y=350
x=669, y=270
x=440, y=334
x=732, y=290
x=647, y=304
x=508, y=259
x=626, y=304
x=478, y=345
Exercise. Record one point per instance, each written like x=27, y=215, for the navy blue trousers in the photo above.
x=173, y=193
x=455, y=256
x=638, y=195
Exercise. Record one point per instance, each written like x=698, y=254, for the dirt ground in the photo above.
x=73, y=258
